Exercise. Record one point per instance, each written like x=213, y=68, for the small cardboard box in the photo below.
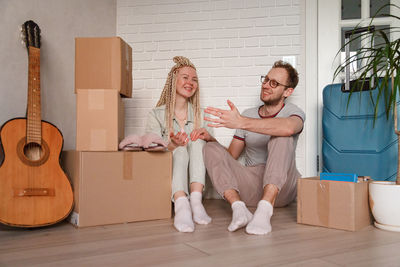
x=119, y=187
x=100, y=120
x=103, y=63
x=333, y=204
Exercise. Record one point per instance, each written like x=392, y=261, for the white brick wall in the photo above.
x=231, y=43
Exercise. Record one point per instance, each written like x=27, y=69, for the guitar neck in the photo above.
x=34, y=119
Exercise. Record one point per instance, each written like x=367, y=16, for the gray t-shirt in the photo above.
x=255, y=151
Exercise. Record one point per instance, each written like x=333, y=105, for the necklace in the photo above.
x=181, y=119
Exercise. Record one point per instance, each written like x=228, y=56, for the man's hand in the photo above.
x=227, y=118
x=202, y=134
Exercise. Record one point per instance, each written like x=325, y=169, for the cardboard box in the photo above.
x=119, y=187
x=103, y=63
x=100, y=120
x=333, y=204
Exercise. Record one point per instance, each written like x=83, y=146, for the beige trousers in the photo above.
x=280, y=169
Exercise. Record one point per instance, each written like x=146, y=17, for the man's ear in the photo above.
x=288, y=91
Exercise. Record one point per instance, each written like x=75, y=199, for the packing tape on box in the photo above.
x=128, y=166
x=323, y=203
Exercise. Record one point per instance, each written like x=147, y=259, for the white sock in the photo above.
x=183, y=215
x=240, y=216
x=200, y=215
x=261, y=222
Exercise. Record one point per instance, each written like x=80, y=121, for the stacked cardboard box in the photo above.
x=111, y=186
x=118, y=187
x=103, y=72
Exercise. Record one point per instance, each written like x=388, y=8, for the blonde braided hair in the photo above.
x=168, y=94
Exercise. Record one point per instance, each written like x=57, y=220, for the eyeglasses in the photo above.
x=271, y=82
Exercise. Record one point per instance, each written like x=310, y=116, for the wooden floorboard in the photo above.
x=157, y=243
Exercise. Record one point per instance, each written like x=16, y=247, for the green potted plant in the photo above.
x=379, y=70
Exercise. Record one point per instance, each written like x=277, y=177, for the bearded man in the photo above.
x=267, y=135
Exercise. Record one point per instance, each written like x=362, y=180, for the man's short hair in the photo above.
x=293, y=75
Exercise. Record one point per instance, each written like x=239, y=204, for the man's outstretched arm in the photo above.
x=270, y=126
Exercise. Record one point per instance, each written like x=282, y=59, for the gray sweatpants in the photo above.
x=280, y=169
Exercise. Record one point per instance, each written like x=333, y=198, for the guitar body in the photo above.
x=33, y=192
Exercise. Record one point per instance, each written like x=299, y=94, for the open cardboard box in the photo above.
x=119, y=187
x=333, y=204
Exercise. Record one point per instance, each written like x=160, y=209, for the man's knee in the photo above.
x=281, y=142
x=282, y=139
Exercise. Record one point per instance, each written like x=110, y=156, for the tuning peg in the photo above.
x=20, y=28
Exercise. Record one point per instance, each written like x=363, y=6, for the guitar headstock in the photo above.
x=31, y=34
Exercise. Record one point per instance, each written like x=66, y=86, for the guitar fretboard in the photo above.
x=34, y=126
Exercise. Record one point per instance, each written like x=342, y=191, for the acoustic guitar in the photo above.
x=34, y=190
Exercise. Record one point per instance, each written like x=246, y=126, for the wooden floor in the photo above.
x=158, y=243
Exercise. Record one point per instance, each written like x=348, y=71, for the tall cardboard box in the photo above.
x=333, y=204
x=99, y=120
x=103, y=63
x=119, y=187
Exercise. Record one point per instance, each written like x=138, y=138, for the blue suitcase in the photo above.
x=351, y=142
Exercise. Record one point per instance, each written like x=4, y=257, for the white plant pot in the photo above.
x=384, y=200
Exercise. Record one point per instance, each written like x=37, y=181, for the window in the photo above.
x=359, y=13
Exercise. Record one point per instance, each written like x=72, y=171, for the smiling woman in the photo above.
x=178, y=119
x=187, y=82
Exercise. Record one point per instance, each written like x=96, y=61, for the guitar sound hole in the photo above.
x=33, y=154
x=33, y=151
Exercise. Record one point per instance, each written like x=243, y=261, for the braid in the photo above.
x=195, y=101
x=168, y=95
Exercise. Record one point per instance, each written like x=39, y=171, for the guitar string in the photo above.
x=29, y=114
x=30, y=145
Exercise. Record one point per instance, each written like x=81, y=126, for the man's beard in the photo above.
x=272, y=101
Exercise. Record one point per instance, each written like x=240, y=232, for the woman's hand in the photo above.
x=202, y=134
x=179, y=139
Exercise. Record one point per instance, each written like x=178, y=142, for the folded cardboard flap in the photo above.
x=333, y=204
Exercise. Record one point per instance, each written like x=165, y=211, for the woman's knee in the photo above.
x=196, y=147
x=197, y=143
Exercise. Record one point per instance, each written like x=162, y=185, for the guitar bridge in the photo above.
x=32, y=192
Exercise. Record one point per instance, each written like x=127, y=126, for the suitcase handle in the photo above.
x=358, y=86
x=347, y=34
